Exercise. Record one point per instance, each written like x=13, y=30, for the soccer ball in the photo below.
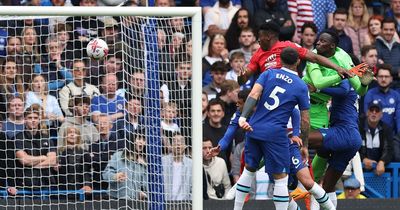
x=97, y=49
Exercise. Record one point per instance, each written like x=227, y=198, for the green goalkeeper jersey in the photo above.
x=322, y=77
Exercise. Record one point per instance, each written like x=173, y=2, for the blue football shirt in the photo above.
x=282, y=91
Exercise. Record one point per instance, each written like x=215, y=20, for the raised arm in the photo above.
x=315, y=58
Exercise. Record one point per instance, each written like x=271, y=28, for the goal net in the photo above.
x=118, y=132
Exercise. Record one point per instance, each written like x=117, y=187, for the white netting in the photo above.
x=116, y=130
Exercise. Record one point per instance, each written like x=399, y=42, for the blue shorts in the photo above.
x=341, y=144
x=296, y=161
x=274, y=152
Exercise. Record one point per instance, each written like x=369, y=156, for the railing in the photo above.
x=384, y=186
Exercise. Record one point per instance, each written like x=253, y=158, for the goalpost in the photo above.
x=149, y=43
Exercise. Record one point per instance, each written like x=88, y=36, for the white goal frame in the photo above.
x=195, y=14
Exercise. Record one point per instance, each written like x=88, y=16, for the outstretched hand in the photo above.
x=360, y=69
x=214, y=151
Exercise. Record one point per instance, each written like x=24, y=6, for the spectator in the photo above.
x=389, y=98
x=133, y=118
x=62, y=32
x=39, y=94
x=237, y=61
x=111, y=34
x=387, y=47
x=79, y=107
x=216, y=52
x=369, y=55
x=204, y=104
x=14, y=51
x=394, y=13
x=246, y=39
x=73, y=162
x=162, y=3
x=355, y=169
x=109, y=102
x=308, y=37
x=240, y=20
x=377, y=145
x=218, y=183
x=374, y=29
x=213, y=129
x=229, y=95
x=169, y=114
x=137, y=86
x=339, y=23
x=51, y=67
x=35, y=153
x=30, y=53
x=351, y=190
x=78, y=87
x=101, y=151
x=271, y=11
x=323, y=13
x=11, y=84
x=218, y=72
x=14, y=123
x=219, y=17
x=126, y=172
x=357, y=25
x=300, y=11
x=177, y=171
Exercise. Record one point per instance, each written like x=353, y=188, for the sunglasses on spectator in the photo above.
x=374, y=109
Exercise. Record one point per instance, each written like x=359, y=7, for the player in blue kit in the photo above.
x=339, y=143
x=267, y=133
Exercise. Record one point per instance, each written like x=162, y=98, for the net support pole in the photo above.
x=197, y=125
x=152, y=118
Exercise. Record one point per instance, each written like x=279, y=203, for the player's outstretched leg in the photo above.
x=318, y=193
x=281, y=192
x=318, y=166
x=243, y=188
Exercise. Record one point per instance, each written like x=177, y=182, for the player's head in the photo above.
x=242, y=96
x=290, y=58
x=267, y=33
x=384, y=76
x=327, y=42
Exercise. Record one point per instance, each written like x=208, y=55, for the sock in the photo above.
x=321, y=197
x=243, y=188
x=281, y=194
x=293, y=205
x=313, y=203
x=332, y=196
x=318, y=166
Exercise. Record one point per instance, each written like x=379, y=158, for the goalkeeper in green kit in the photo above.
x=319, y=77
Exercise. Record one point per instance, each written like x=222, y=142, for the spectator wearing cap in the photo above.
x=377, y=139
x=389, y=98
x=110, y=34
x=351, y=190
x=218, y=73
x=80, y=108
x=78, y=87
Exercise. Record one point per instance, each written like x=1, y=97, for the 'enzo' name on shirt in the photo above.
x=284, y=77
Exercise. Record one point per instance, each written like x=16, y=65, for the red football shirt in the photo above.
x=264, y=60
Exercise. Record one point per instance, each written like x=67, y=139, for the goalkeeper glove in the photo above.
x=360, y=69
x=367, y=77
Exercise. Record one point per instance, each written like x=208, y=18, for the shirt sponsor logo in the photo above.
x=389, y=111
x=270, y=62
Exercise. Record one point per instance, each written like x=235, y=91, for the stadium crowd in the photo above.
x=64, y=132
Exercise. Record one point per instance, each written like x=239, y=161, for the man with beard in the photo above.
x=389, y=98
x=240, y=20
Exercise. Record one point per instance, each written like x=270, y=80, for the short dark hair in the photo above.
x=219, y=66
x=341, y=11
x=289, y=56
x=366, y=48
x=389, y=20
x=334, y=34
x=270, y=26
x=243, y=94
x=383, y=66
x=216, y=101
x=309, y=25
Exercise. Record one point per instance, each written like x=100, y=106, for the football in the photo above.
x=97, y=49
